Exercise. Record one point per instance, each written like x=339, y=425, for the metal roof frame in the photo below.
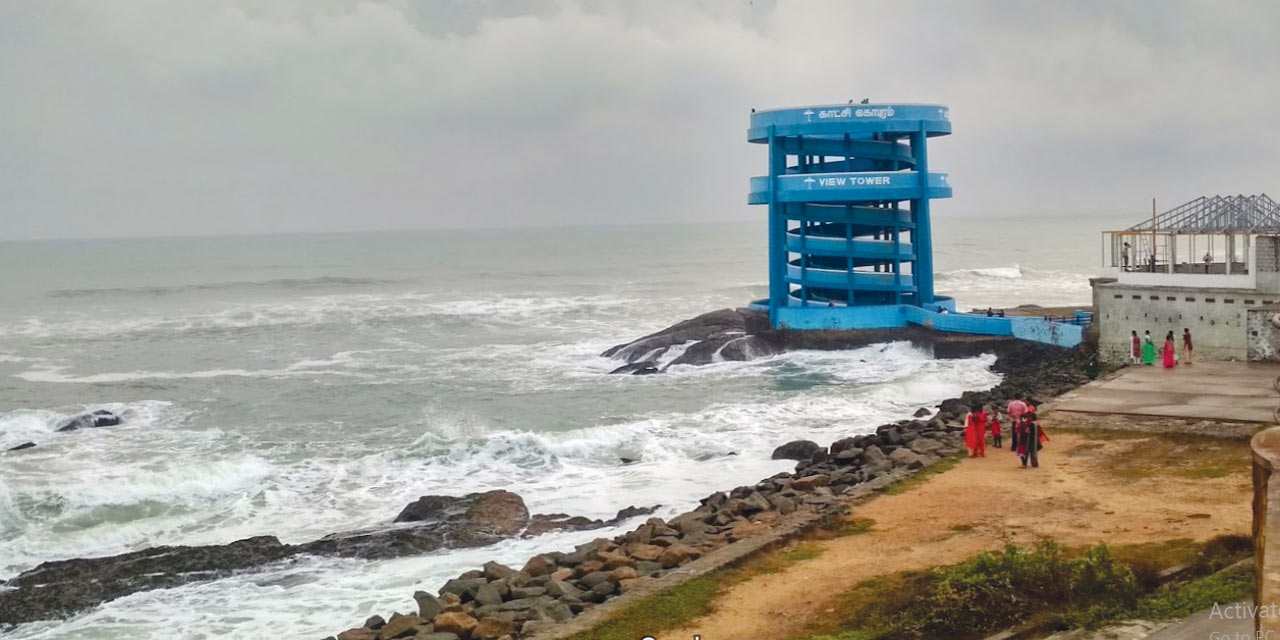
x=1218, y=215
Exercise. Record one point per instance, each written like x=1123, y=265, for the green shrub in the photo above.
x=996, y=589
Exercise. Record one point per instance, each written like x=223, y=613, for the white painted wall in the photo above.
x=1216, y=317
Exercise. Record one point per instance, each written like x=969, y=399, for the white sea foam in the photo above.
x=346, y=309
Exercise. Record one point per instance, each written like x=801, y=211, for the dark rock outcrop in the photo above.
x=25, y=445
x=796, y=450
x=91, y=420
x=60, y=588
x=643, y=368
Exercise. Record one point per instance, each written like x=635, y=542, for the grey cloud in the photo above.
x=150, y=117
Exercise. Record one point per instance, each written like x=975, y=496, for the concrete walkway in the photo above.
x=1226, y=391
x=1205, y=626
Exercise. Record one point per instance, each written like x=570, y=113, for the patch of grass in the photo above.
x=922, y=476
x=776, y=562
x=1041, y=589
x=1149, y=560
x=663, y=611
x=1136, y=455
x=1231, y=585
x=835, y=525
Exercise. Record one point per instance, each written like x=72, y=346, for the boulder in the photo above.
x=849, y=455
x=493, y=629
x=429, y=606
x=677, y=554
x=925, y=445
x=809, y=483
x=399, y=626
x=358, y=634
x=487, y=594
x=494, y=571
x=796, y=450
x=455, y=622
x=539, y=565
x=907, y=458
x=753, y=503
x=25, y=445
x=921, y=412
x=91, y=420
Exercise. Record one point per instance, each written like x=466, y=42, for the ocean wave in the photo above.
x=278, y=283
x=1003, y=273
x=182, y=487
x=358, y=310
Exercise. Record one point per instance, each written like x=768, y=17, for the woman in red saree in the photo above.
x=975, y=432
x=1169, y=352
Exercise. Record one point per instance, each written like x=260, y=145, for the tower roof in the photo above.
x=1219, y=214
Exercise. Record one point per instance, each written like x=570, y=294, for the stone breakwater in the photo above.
x=497, y=602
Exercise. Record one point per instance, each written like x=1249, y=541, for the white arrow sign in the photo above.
x=808, y=115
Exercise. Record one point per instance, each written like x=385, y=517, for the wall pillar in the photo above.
x=1266, y=528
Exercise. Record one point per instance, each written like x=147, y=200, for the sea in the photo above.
x=298, y=385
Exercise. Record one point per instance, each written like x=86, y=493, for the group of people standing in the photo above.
x=1144, y=349
x=1028, y=436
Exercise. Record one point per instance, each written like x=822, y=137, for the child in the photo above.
x=993, y=418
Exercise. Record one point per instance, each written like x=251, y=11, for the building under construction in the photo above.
x=1211, y=265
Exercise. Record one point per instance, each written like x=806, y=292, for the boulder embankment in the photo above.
x=497, y=602
x=60, y=588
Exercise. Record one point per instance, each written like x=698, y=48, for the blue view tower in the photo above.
x=848, y=191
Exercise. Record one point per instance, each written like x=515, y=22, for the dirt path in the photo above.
x=1088, y=489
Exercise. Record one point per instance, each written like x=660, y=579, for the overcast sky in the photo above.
x=153, y=117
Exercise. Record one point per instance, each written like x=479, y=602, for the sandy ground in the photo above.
x=1070, y=498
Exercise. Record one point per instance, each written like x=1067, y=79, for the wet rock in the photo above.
x=715, y=325
x=647, y=367
x=748, y=348
x=25, y=445
x=91, y=420
x=796, y=450
x=358, y=634
x=58, y=588
x=375, y=622
x=921, y=412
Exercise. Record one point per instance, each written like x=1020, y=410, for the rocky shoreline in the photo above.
x=497, y=602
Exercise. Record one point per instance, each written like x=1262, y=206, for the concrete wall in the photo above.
x=1262, y=337
x=1216, y=317
x=896, y=316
